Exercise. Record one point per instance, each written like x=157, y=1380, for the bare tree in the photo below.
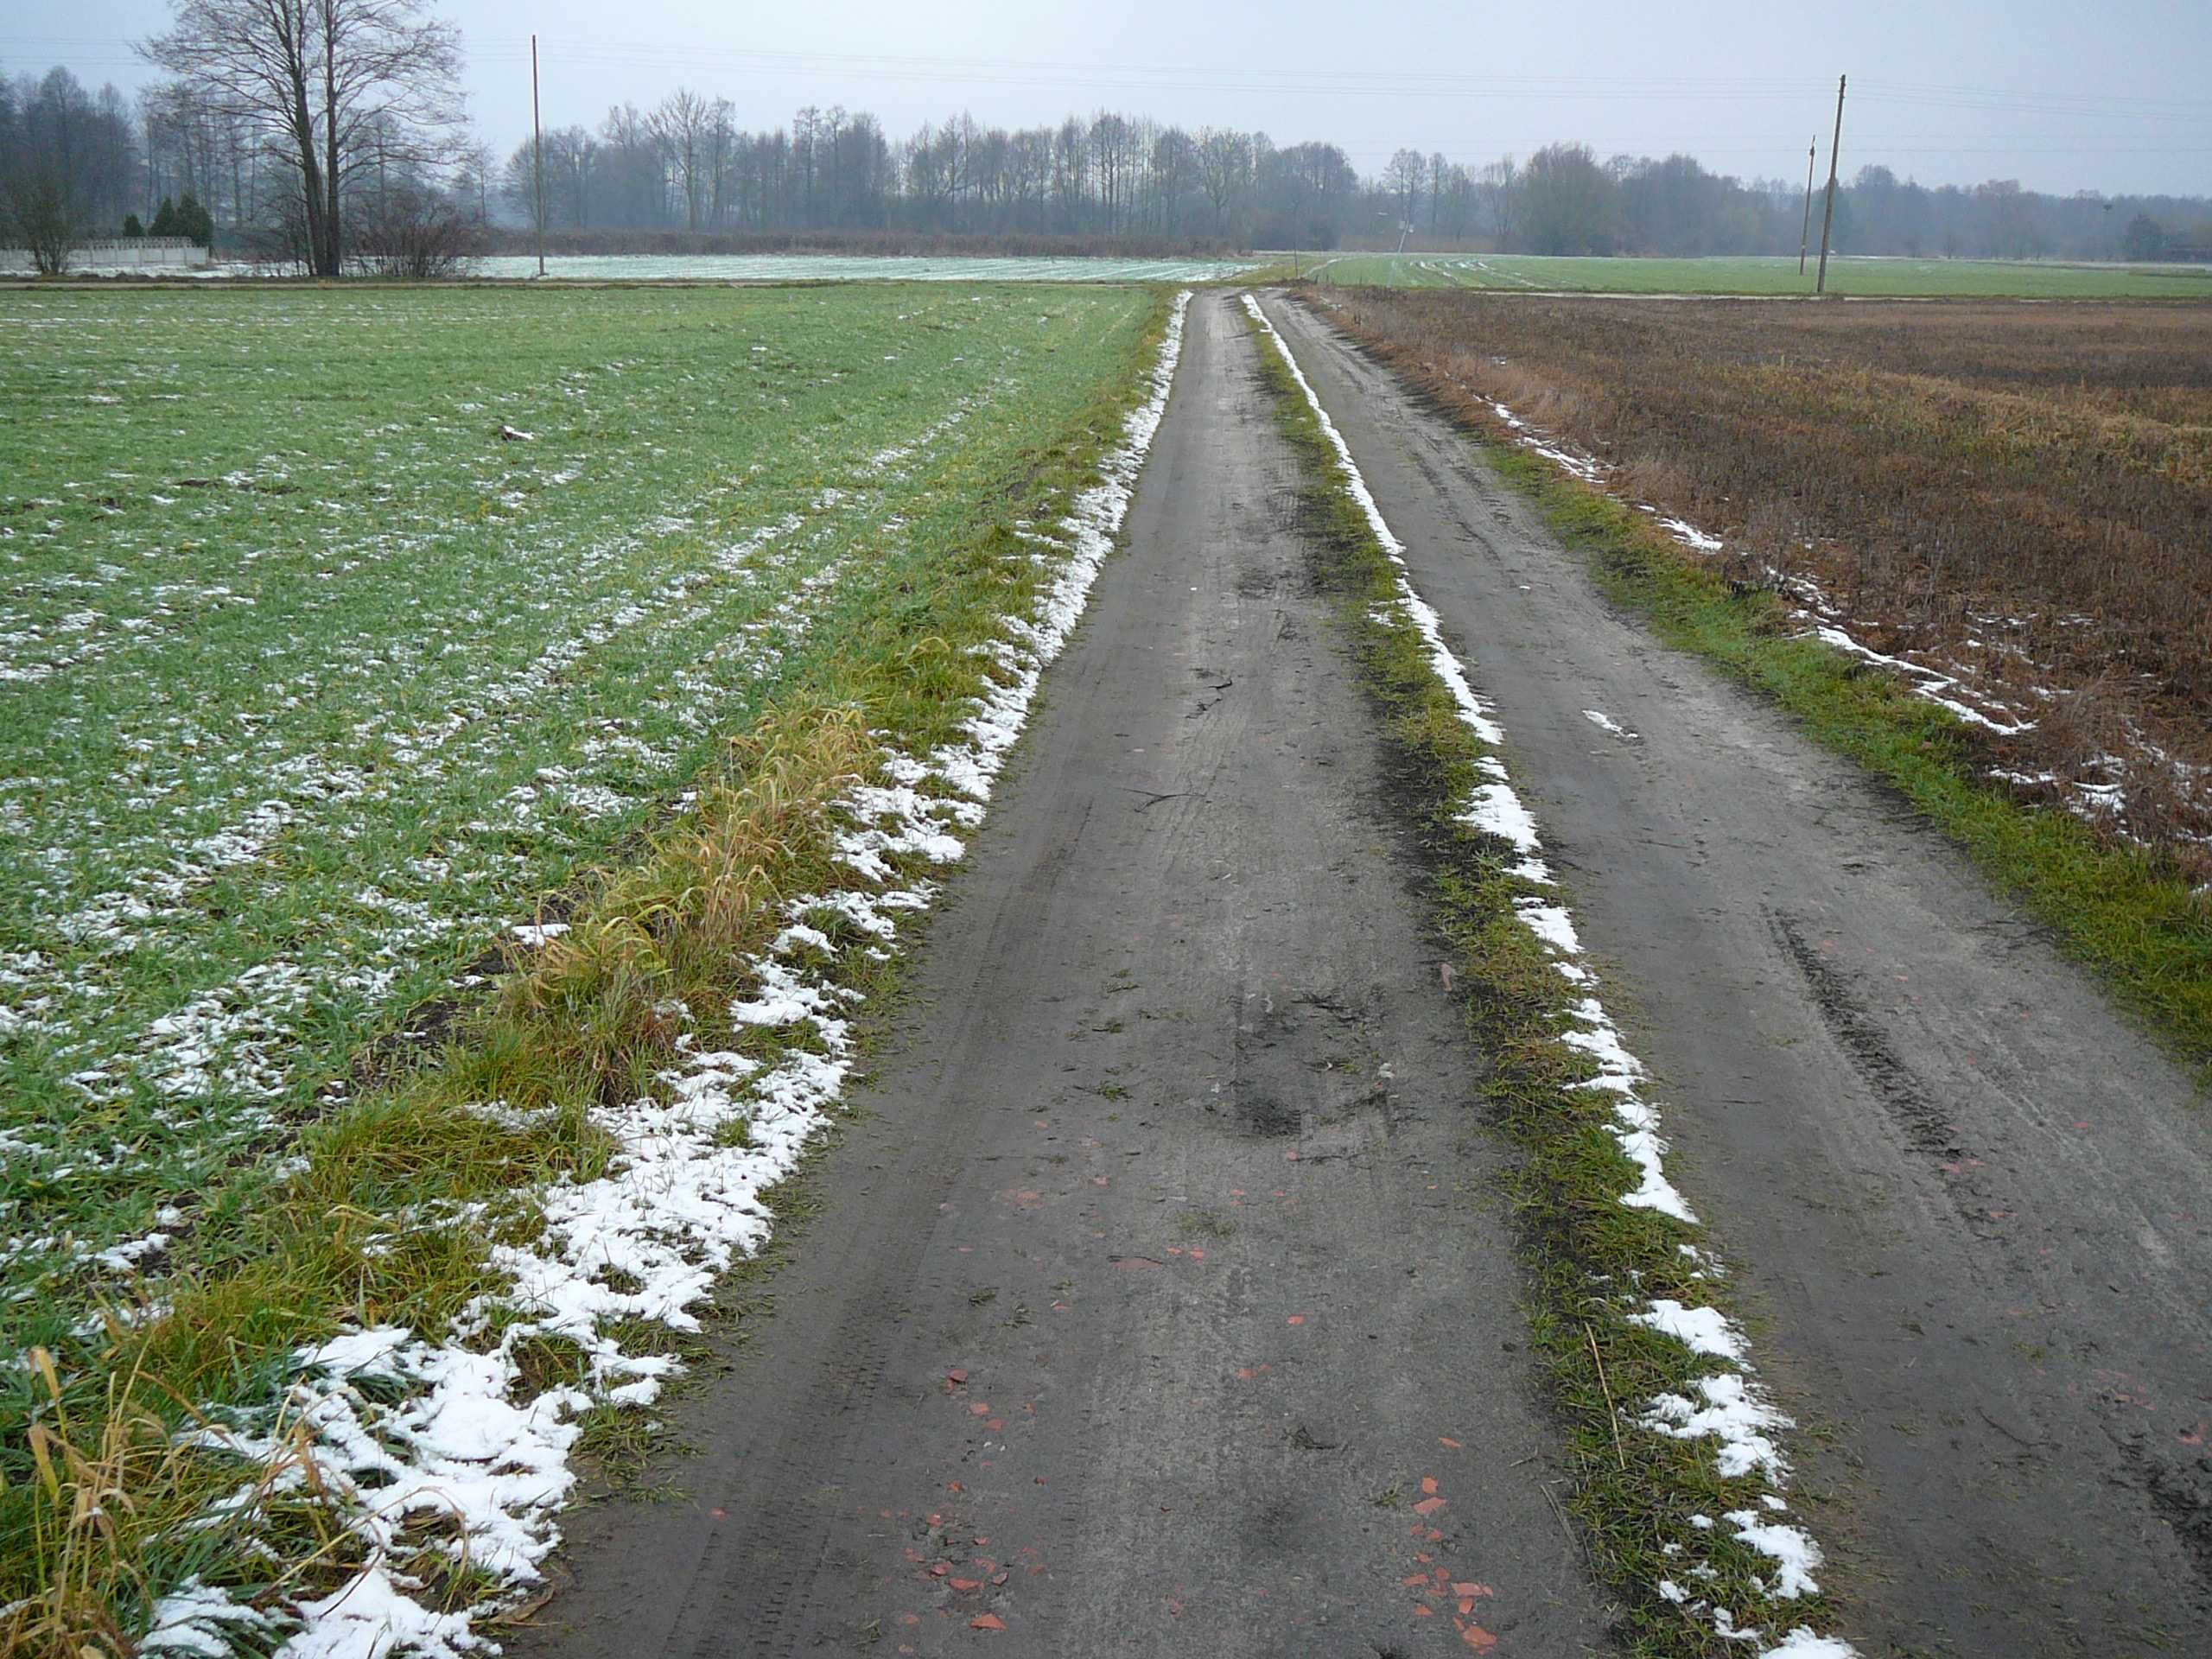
x=1402, y=179
x=1109, y=143
x=1174, y=162
x=331, y=86
x=686, y=126
x=1070, y=170
x=40, y=207
x=472, y=180
x=1497, y=194
x=1567, y=201
x=414, y=234
x=1224, y=170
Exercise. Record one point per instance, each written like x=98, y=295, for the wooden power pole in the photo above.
x=1805, y=231
x=1827, y=215
x=538, y=156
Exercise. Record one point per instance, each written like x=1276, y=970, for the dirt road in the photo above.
x=1974, y=1202
x=1167, y=1284
x=1168, y=1269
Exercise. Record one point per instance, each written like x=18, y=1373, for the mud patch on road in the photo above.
x=1304, y=1060
x=2181, y=1495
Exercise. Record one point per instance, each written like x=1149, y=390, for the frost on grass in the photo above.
x=313, y=713
x=1729, y=1410
x=406, y=1423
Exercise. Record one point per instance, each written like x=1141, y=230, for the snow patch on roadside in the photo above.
x=1701, y=1330
x=1495, y=809
x=1794, y=1553
x=1730, y=1409
x=404, y=1424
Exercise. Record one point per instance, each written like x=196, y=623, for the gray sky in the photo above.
x=2062, y=95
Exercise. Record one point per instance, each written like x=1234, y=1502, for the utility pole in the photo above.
x=1805, y=232
x=538, y=156
x=1827, y=217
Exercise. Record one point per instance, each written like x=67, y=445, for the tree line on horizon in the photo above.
x=318, y=194
x=686, y=165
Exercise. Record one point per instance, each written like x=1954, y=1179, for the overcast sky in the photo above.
x=2060, y=94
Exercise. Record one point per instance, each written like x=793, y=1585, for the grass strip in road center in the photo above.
x=1673, y=1445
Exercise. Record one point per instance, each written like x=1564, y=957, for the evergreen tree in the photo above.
x=131, y=227
x=2145, y=239
x=165, y=218
x=194, y=222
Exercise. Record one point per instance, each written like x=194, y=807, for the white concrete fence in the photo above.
x=119, y=253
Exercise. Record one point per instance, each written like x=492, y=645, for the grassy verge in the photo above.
x=1651, y=1507
x=2134, y=916
x=397, y=1208
x=2121, y=911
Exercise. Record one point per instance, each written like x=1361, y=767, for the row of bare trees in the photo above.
x=687, y=164
x=1563, y=199
x=65, y=155
x=332, y=131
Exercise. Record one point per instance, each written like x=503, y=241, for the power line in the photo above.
x=1225, y=79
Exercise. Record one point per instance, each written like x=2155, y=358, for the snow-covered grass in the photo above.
x=350, y=634
x=1671, y=1427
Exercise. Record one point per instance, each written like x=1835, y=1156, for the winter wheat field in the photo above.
x=350, y=640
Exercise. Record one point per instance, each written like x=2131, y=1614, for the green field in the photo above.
x=344, y=633
x=1895, y=278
